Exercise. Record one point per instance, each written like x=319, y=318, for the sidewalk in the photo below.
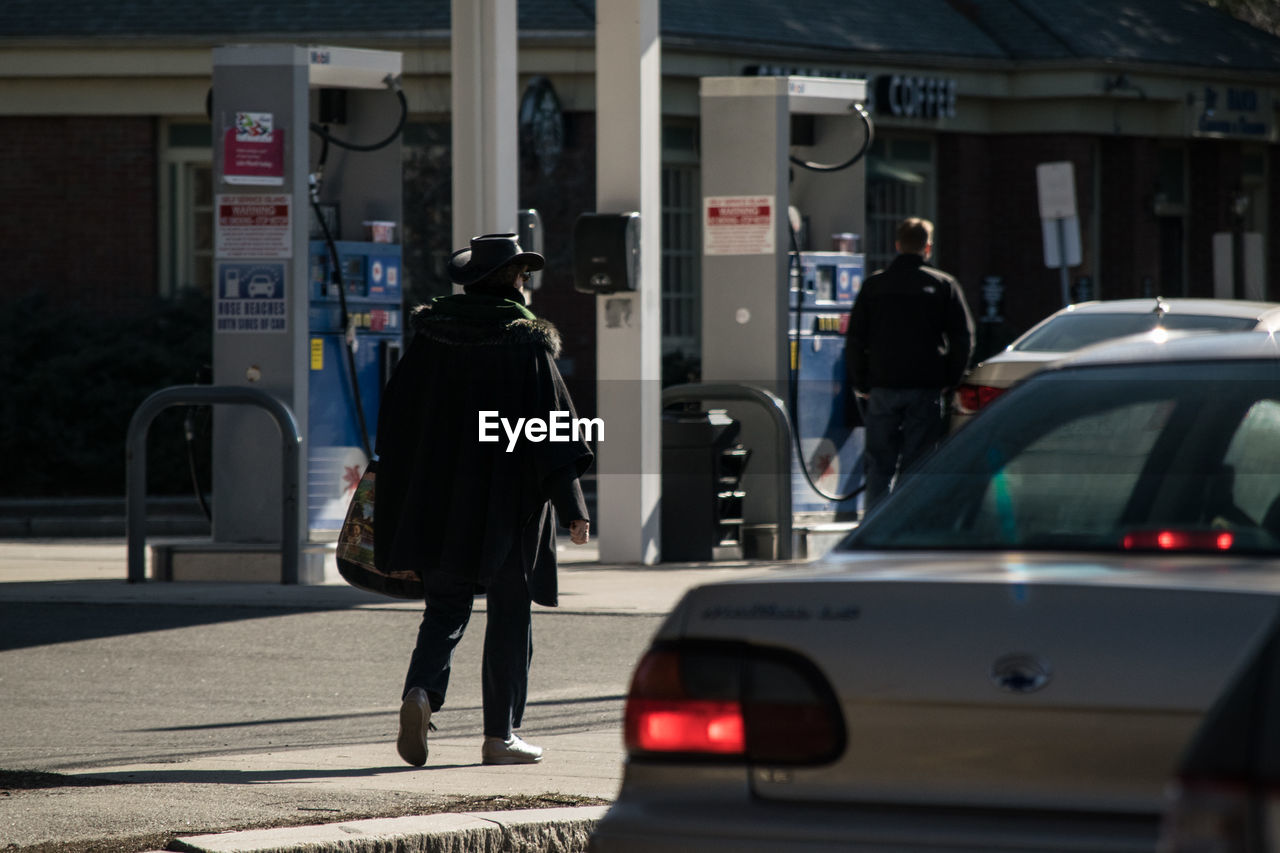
x=227, y=789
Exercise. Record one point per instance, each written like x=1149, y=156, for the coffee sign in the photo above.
x=907, y=96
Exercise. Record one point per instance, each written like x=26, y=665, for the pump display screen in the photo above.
x=824, y=283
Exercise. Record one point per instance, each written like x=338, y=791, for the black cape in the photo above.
x=449, y=502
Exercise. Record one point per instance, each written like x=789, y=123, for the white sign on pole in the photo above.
x=1057, y=185
x=1061, y=242
x=1060, y=226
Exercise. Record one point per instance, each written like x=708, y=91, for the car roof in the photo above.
x=1177, y=346
x=1175, y=305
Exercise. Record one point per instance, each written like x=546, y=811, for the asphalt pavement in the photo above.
x=316, y=796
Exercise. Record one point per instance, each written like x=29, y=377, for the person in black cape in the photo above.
x=464, y=504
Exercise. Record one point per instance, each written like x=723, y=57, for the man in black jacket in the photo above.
x=468, y=492
x=910, y=339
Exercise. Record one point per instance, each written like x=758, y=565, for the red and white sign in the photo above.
x=254, y=226
x=738, y=224
x=253, y=151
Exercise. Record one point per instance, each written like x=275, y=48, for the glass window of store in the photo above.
x=900, y=183
x=186, y=208
x=1253, y=184
x=681, y=240
x=1171, y=214
x=1253, y=216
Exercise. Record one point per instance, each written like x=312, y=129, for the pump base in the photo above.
x=203, y=560
x=809, y=539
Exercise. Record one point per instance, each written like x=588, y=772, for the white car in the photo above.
x=1087, y=323
x=1010, y=653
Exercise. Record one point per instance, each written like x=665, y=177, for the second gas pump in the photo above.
x=308, y=302
x=783, y=159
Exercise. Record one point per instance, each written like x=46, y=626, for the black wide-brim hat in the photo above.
x=489, y=253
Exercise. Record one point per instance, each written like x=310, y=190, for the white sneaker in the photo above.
x=513, y=750
x=415, y=720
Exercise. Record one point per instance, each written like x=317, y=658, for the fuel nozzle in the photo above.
x=313, y=184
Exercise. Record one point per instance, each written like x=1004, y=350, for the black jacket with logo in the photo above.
x=910, y=328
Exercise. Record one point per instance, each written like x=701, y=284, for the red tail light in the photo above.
x=686, y=726
x=734, y=702
x=1178, y=540
x=971, y=398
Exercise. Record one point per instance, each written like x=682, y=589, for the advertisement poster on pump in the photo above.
x=254, y=151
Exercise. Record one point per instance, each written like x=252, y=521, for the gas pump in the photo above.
x=826, y=472
x=309, y=284
x=354, y=345
x=782, y=160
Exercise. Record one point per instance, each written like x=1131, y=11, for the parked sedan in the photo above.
x=1078, y=326
x=1010, y=653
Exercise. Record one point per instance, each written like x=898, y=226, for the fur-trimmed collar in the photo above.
x=460, y=331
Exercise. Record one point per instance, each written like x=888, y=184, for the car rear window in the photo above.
x=1074, y=331
x=1099, y=459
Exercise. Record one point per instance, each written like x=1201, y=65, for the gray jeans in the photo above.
x=903, y=426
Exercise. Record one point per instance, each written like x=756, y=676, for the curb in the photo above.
x=563, y=830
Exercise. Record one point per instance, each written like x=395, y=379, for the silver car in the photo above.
x=1087, y=323
x=1010, y=653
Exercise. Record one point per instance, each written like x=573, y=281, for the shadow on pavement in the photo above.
x=257, y=777
x=25, y=625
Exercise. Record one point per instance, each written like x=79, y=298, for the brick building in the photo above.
x=1165, y=108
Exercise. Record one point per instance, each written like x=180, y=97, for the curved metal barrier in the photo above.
x=205, y=395
x=772, y=405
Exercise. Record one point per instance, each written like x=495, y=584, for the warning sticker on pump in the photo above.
x=738, y=224
x=253, y=226
x=250, y=298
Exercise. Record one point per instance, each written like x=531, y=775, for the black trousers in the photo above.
x=903, y=426
x=508, y=643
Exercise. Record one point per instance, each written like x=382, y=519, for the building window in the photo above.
x=1171, y=181
x=681, y=242
x=186, y=209
x=1253, y=182
x=427, y=236
x=900, y=183
x=1254, y=219
x=1171, y=216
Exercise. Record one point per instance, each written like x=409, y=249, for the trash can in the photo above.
x=702, y=467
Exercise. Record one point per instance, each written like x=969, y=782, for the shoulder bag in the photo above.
x=355, y=548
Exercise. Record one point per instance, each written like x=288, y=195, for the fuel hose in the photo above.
x=348, y=329
x=793, y=385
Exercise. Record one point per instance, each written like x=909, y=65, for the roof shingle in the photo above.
x=1168, y=32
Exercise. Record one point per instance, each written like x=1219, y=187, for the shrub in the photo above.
x=71, y=381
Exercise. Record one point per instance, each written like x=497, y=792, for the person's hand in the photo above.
x=579, y=531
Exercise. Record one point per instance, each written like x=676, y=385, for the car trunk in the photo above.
x=1010, y=367
x=996, y=693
